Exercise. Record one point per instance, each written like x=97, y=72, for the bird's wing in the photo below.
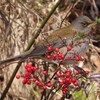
x=65, y=32
x=57, y=39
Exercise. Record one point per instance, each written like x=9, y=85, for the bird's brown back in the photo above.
x=68, y=32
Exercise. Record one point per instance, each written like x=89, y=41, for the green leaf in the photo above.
x=77, y=38
x=80, y=95
x=98, y=20
x=81, y=34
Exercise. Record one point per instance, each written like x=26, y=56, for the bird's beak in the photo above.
x=92, y=24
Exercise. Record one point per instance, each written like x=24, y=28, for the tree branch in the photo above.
x=28, y=47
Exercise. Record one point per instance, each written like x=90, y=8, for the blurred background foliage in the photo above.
x=19, y=21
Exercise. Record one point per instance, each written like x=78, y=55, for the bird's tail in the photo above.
x=36, y=53
x=12, y=59
x=20, y=57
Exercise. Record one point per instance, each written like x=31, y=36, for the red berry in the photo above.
x=49, y=48
x=28, y=82
x=49, y=84
x=65, y=89
x=33, y=79
x=77, y=58
x=26, y=66
x=69, y=57
x=18, y=76
x=61, y=83
x=69, y=48
x=27, y=75
x=34, y=68
x=56, y=49
x=64, y=81
x=59, y=74
x=44, y=87
x=87, y=72
x=77, y=72
x=48, y=57
x=59, y=54
x=70, y=71
x=73, y=80
x=54, y=56
x=68, y=81
x=29, y=69
x=64, y=92
x=59, y=58
x=75, y=83
x=62, y=56
x=24, y=81
x=67, y=74
x=39, y=83
x=44, y=72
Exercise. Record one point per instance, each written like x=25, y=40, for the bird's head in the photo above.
x=81, y=24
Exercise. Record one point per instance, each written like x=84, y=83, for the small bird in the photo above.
x=58, y=39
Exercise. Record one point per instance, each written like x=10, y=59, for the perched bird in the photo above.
x=60, y=38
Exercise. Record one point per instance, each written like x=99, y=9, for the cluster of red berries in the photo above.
x=56, y=56
x=59, y=56
x=65, y=79
x=29, y=77
x=69, y=79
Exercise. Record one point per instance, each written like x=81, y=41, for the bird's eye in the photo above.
x=85, y=24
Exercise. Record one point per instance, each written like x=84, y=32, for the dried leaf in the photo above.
x=77, y=89
x=82, y=84
x=95, y=77
x=81, y=71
